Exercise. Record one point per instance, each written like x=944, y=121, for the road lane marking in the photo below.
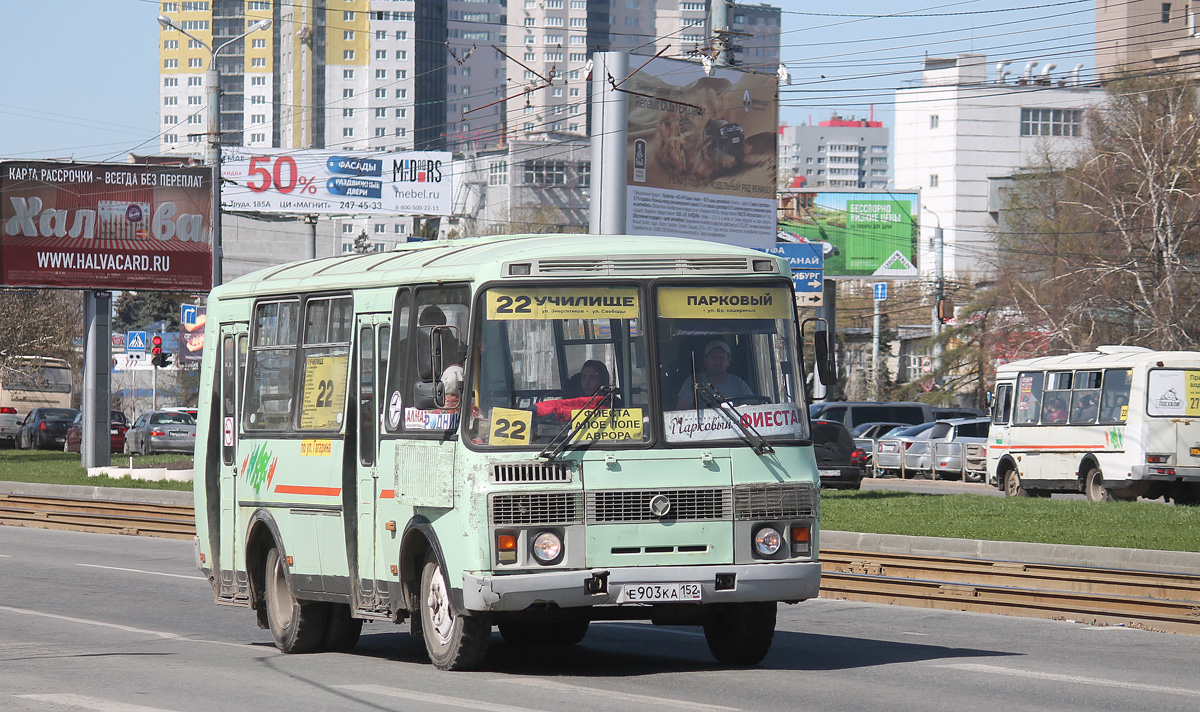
x=117, y=626
x=647, y=628
x=434, y=699
x=1073, y=679
x=613, y=695
x=140, y=571
x=91, y=703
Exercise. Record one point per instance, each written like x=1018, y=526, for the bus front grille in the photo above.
x=521, y=472
x=686, y=505
x=536, y=508
x=769, y=501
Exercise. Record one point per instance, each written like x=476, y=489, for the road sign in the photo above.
x=927, y=385
x=880, y=291
x=135, y=342
x=187, y=314
x=810, y=287
x=801, y=256
x=926, y=364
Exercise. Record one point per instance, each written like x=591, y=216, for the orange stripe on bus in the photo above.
x=298, y=489
x=387, y=494
x=1048, y=447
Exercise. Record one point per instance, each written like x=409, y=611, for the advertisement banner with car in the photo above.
x=861, y=234
x=321, y=182
x=105, y=226
x=701, y=151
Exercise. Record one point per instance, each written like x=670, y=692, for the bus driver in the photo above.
x=715, y=374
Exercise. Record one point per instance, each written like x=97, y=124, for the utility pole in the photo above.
x=722, y=35
x=311, y=221
x=939, y=290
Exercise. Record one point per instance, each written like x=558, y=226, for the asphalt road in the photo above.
x=125, y=624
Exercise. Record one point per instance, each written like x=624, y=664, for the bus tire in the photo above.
x=296, y=626
x=1012, y=484
x=342, y=630
x=740, y=633
x=1186, y=494
x=453, y=641
x=1093, y=486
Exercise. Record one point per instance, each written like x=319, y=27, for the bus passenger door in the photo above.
x=374, y=337
x=233, y=584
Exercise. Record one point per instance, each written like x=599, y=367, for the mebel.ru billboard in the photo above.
x=862, y=234
x=105, y=226
x=302, y=182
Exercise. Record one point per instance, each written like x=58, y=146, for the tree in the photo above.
x=40, y=322
x=362, y=244
x=135, y=310
x=1103, y=247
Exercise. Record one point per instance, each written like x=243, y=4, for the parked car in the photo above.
x=951, y=459
x=947, y=413
x=117, y=425
x=867, y=434
x=891, y=451
x=181, y=409
x=853, y=414
x=10, y=423
x=840, y=463
x=45, y=428
x=161, y=431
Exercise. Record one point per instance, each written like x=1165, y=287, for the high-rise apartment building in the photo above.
x=1137, y=35
x=838, y=153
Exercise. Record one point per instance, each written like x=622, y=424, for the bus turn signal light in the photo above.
x=506, y=548
x=801, y=536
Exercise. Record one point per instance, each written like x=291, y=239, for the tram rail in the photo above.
x=1168, y=602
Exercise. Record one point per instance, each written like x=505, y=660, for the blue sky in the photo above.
x=80, y=77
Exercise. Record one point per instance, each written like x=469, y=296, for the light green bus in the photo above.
x=528, y=432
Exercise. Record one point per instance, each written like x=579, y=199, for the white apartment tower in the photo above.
x=959, y=135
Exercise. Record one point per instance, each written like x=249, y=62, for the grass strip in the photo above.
x=52, y=467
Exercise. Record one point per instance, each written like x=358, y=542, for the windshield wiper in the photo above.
x=562, y=438
x=724, y=406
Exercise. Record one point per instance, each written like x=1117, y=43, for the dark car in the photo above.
x=117, y=426
x=161, y=431
x=840, y=463
x=45, y=428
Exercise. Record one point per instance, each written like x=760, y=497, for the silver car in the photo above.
x=161, y=431
x=891, y=451
x=952, y=454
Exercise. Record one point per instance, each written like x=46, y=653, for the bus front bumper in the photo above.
x=784, y=581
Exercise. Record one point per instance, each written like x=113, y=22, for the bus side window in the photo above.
x=1029, y=398
x=1003, y=405
x=1114, y=401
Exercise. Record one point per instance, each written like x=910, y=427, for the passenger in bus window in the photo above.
x=1056, y=412
x=716, y=374
x=591, y=376
x=1113, y=411
x=1085, y=412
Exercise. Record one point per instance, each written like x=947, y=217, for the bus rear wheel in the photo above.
x=1012, y=485
x=1093, y=486
x=343, y=630
x=740, y=633
x=296, y=626
x=453, y=641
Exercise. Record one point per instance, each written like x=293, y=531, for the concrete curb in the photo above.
x=1182, y=562
x=111, y=494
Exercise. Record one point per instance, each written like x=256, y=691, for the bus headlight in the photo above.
x=767, y=541
x=547, y=547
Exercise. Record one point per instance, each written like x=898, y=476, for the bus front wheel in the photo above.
x=1093, y=486
x=297, y=626
x=453, y=641
x=740, y=633
x=1012, y=485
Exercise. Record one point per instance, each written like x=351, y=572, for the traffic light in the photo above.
x=165, y=360
x=156, y=351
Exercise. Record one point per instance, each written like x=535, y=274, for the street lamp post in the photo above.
x=212, y=81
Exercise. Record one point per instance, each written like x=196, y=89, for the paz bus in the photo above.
x=1120, y=422
x=28, y=382
x=527, y=432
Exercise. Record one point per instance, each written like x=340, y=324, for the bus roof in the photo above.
x=1103, y=357
x=484, y=258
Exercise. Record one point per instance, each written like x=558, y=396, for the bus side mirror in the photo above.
x=429, y=353
x=825, y=367
x=428, y=395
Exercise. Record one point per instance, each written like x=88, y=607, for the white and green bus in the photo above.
x=528, y=432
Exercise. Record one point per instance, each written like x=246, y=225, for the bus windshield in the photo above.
x=555, y=358
x=728, y=354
